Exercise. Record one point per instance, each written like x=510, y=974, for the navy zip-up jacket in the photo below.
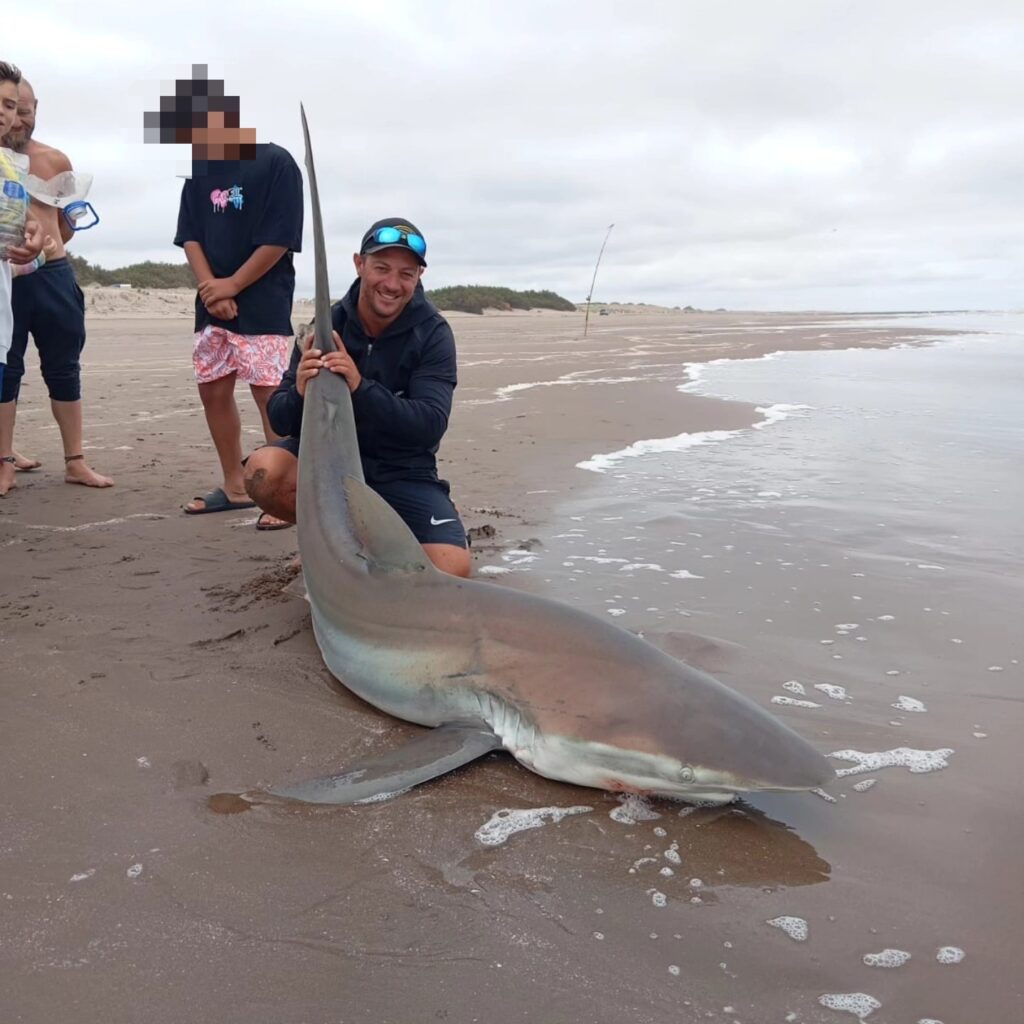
x=404, y=400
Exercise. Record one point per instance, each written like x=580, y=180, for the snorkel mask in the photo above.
x=66, y=192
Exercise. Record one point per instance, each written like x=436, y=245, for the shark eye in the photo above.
x=686, y=773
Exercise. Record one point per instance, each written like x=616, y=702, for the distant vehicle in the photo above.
x=605, y=312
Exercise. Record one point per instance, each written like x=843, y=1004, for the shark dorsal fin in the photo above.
x=388, y=545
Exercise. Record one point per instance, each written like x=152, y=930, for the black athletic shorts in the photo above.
x=424, y=505
x=49, y=305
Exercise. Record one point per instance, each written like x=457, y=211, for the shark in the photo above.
x=484, y=667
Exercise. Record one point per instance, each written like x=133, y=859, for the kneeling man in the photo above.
x=397, y=355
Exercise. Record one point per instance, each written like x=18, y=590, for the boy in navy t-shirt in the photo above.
x=239, y=222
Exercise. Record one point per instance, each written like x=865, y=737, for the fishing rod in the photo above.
x=586, y=319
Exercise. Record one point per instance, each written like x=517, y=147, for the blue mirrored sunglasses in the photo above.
x=396, y=236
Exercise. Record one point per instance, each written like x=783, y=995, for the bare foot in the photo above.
x=268, y=522
x=6, y=477
x=77, y=472
x=23, y=464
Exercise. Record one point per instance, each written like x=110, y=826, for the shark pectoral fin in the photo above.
x=387, y=543
x=297, y=588
x=436, y=752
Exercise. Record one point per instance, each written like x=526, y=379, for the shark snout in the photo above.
x=788, y=761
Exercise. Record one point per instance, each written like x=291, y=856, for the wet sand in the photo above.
x=150, y=660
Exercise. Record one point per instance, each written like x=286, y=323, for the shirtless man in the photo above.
x=14, y=257
x=50, y=306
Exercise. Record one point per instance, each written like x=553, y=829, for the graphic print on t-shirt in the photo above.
x=220, y=197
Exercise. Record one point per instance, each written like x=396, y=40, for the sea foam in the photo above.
x=916, y=761
x=507, y=821
x=860, y=1004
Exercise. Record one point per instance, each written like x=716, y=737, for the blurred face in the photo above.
x=21, y=133
x=222, y=139
x=388, y=279
x=8, y=108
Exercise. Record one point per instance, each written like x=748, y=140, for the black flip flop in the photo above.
x=216, y=501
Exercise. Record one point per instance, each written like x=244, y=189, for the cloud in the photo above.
x=788, y=155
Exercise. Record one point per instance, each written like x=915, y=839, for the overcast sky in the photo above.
x=752, y=155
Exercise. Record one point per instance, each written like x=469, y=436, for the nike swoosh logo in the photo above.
x=439, y=522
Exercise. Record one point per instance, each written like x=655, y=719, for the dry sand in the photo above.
x=150, y=660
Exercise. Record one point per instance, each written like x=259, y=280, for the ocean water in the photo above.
x=855, y=563
x=906, y=459
x=924, y=439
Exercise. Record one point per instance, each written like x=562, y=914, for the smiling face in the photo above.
x=388, y=280
x=20, y=135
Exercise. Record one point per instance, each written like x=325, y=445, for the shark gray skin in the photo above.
x=570, y=696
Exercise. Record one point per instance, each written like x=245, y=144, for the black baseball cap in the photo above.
x=394, y=233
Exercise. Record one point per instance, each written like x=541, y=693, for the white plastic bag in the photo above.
x=61, y=190
x=66, y=192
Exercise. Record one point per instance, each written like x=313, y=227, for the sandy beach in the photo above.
x=150, y=660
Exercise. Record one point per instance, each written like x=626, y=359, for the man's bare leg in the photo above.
x=261, y=396
x=7, y=413
x=218, y=398
x=271, y=475
x=76, y=470
x=450, y=559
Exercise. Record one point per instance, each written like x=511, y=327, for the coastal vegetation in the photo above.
x=475, y=298
x=472, y=298
x=138, y=275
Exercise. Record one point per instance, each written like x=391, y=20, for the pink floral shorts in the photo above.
x=258, y=359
